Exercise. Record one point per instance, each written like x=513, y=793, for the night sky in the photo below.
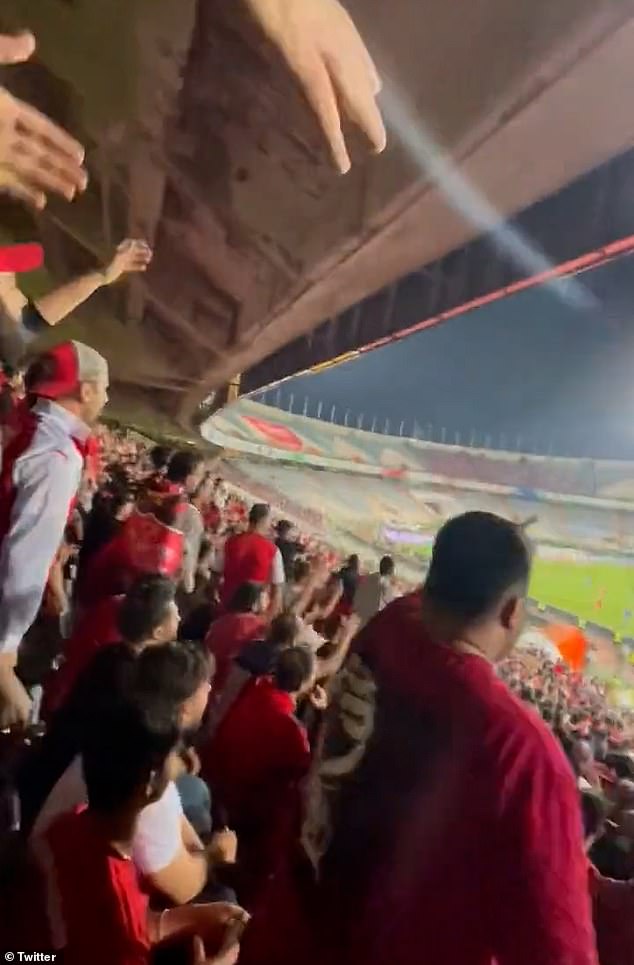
x=531, y=371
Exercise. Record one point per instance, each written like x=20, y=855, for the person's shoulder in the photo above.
x=68, y=831
x=49, y=449
x=161, y=814
x=249, y=622
x=293, y=734
x=49, y=435
x=518, y=742
x=255, y=657
x=113, y=656
x=32, y=321
x=402, y=615
x=65, y=825
x=104, y=667
x=220, y=623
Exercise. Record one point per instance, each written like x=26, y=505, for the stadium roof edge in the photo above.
x=583, y=226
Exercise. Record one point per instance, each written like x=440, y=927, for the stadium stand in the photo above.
x=335, y=479
x=300, y=437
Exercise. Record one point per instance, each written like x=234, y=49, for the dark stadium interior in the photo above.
x=256, y=241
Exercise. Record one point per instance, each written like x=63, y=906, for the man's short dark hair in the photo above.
x=283, y=630
x=246, y=598
x=172, y=672
x=477, y=558
x=183, y=464
x=122, y=746
x=259, y=512
x=160, y=457
x=386, y=566
x=293, y=668
x=283, y=528
x=42, y=369
x=145, y=607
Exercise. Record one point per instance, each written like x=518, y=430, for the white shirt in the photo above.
x=46, y=477
x=193, y=530
x=158, y=835
x=374, y=592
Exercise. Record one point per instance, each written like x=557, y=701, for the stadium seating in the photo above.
x=299, y=437
x=364, y=506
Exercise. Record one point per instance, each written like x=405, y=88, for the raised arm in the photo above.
x=132, y=255
x=36, y=156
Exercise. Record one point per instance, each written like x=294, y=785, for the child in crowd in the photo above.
x=95, y=908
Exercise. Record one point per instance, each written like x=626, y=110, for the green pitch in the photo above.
x=599, y=592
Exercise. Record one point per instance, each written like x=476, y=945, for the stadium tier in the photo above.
x=364, y=493
x=255, y=427
x=368, y=506
x=336, y=477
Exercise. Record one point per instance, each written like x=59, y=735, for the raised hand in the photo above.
x=223, y=847
x=36, y=156
x=318, y=697
x=324, y=50
x=132, y=255
x=15, y=703
x=16, y=49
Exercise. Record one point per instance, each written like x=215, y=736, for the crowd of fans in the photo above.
x=218, y=740
x=153, y=546
x=208, y=746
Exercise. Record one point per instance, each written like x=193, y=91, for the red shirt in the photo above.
x=107, y=574
x=93, y=464
x=443, y=824
x=248, y=558
x=613, y=903
x=96, y=908
x=98, y=627
x=226, y=637
x=257, y=759
x=259, y=751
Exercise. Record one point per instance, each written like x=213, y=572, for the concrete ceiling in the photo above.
x=198, y=139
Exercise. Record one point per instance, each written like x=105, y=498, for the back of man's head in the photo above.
x=259, y=515
x=283, y=631
x=386, y=566
x=293, y=670
x=247, y=598
x=182, y=465
x=145, y=607
x=160, y=457
x=72, y=374
x=124, y=748
x=478, y=559
x=283, y=529
x=173, y=673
